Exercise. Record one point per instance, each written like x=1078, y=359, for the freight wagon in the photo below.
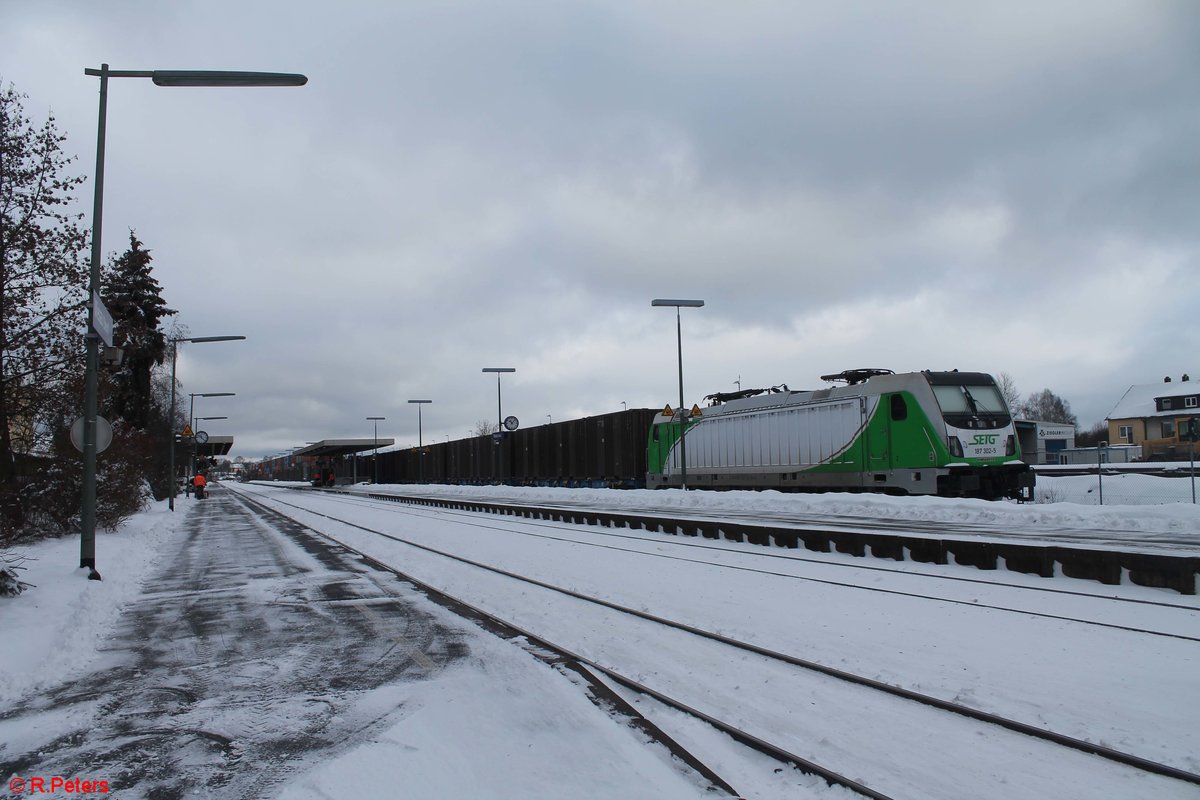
x=605, y=451
x=946, y=433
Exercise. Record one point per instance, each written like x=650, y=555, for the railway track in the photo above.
x=1126, y=760
x=1106, y=565
x=538, y=528
x=587, y=669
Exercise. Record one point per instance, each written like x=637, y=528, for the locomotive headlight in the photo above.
x=1010, y=447
x=955, y=446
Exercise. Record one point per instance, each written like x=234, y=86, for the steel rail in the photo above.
x=1117, y=756
x=580, y=663
x=907, y=573
x=1110, y=567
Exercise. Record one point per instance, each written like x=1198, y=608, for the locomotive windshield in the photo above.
x=972, y=405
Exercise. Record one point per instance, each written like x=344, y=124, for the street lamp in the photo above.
x=499, y=412
x=499, y=438
x=677, y=304
x=197, y=427
x=194, y=395
x=192, y=421
x=174, y=351
x=420, y=441
x=96, y=311
x=375, y=452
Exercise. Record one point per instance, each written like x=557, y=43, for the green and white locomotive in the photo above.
x=944, y=433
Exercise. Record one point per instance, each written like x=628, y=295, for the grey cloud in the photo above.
x=468, y=182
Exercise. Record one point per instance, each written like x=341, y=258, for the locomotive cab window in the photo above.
x=972, y=406
x=899, y=408
x=958, y=399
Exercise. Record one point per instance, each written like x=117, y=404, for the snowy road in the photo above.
x=978, y=643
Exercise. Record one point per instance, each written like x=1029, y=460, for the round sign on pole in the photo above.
x=103, y=434
x=511, y=423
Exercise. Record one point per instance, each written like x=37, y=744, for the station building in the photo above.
x=1042, y=442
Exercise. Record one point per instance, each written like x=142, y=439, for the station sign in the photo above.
x=104, y=434
x=102, y=321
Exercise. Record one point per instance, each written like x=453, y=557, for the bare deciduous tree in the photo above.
x=1046, y=406
x=1008, y=390
x=484, y=428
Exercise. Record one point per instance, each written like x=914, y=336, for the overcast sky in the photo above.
x=996, y=187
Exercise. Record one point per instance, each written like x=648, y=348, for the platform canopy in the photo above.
x=328, y=448
x=215, y=446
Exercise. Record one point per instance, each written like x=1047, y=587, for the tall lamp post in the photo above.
x=194, y=395
x=499, y=414
x=375, y=452
x=196, y=428
x=677, y=304
x=87, y=542
x=174, y=352
x=420, y=441
x=499, y=409
x=192, y=421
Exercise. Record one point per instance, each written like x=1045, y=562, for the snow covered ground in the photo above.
x=1074, y=517
x=494, y=722
x=1125, y=488
x=57, y=625
x=1128, y=690
x=995, y=647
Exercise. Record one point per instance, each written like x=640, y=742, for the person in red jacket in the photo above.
x=199, y=482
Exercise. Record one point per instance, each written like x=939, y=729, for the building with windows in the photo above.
x=1041, y=442
x=1161, y=417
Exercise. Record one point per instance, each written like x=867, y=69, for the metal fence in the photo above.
x=1126, y=484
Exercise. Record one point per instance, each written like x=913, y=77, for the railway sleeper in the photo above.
x=1163, y=572
x=1031, y=561
x=817, y=541
x=852, y=545
x=886, y=547
x=1103, y=567
x=981, y=555
x=925, y=551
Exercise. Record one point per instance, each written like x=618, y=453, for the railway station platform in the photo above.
x=250, y=657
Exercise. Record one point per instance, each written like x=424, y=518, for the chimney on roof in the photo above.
x=1167, y=379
